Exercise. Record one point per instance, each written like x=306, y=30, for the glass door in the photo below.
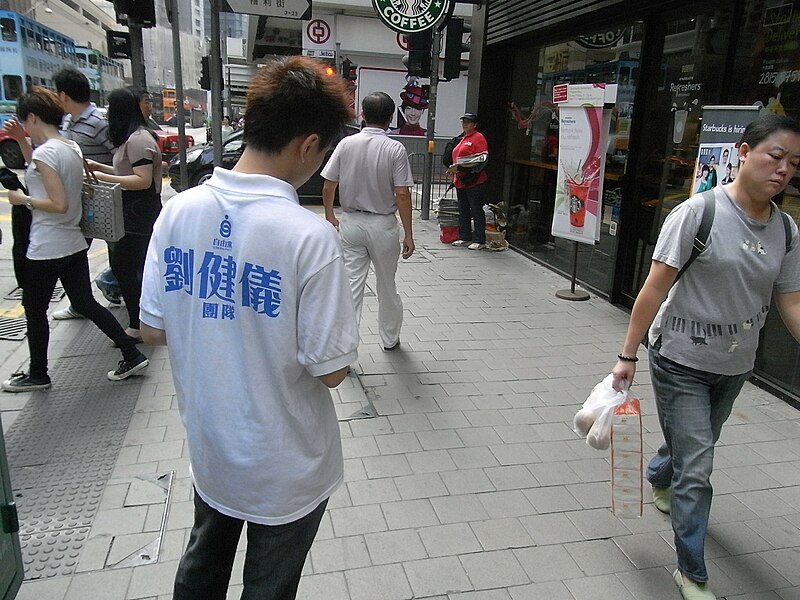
x=685, y=72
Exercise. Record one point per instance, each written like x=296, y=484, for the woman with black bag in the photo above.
x=57, y=248
x=137, y=168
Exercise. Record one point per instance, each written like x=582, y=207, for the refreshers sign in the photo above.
x=410, y=16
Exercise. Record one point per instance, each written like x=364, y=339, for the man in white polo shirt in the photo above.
x=375, y=176
x=249, y=289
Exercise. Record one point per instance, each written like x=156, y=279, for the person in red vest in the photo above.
x=469, y=179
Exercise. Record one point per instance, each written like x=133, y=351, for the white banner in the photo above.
x=583, y=138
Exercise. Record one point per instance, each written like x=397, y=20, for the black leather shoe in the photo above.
x=390, y=348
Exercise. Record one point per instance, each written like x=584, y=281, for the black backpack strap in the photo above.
x=787, y=227
x=701, y=237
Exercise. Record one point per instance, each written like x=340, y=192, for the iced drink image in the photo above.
x=578, y=193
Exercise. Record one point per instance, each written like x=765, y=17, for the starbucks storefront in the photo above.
x=669, y=60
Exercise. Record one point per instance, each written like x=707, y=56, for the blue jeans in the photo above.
x=692, y=406
x=470, y=208
x=273, y=562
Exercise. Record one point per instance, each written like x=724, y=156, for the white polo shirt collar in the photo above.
x=373, y=131
x=252, y=184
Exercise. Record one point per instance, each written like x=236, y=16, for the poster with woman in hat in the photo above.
x=413, y=105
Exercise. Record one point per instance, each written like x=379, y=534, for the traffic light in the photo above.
x=419, y=53
x=454, y=47
x=136, y=12
x=329, y=66
x=205, y=74
x=349, y=70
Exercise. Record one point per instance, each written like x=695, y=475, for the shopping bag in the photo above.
x=593, y=420
x=626, y=460
x=102, y=209
x=448, y=235
x=613, y=419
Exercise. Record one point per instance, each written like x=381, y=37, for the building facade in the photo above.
x=669, y=60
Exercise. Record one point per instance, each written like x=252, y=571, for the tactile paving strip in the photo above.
x=62, y=450
x=52, y=553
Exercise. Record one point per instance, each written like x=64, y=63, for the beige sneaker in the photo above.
x=691, y=590
x=661, y=499
x=67, y=313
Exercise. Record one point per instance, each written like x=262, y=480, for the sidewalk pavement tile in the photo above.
x=599, y=557
x=99, y=585
x=331, y=586
x=394, y=546
x=437, y=576
x=493, y=569
x=602, y=587
x=554, y=590
x=339, y=554
x=470, y=484
x=410, y=513
x=646, y=550
x=501, y=534
x=388, y=582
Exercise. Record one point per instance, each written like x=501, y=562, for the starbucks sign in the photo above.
x=410, y=16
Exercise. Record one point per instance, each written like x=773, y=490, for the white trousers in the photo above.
x=374, y=238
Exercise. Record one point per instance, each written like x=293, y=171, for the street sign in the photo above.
x=319, y=37
x=286, y=9
x=402, y=41
x=318, y=31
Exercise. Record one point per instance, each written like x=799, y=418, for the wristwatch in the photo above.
x=28, y=204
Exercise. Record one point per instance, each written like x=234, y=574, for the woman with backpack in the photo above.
x=704, y=327
x=469, y=182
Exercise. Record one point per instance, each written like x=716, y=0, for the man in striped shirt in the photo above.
x=87, y=127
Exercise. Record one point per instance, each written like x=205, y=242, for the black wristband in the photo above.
x=624, y=358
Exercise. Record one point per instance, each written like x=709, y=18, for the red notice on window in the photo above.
x=560, y=93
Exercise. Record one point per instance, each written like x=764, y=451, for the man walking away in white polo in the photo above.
x=375, y=176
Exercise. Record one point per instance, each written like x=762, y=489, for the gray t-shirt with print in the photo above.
x=712, y=316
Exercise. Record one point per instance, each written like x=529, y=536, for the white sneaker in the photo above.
x=67, y=313
x=460, y=243
x=476, y=246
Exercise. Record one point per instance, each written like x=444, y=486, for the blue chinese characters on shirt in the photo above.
x=221, y=283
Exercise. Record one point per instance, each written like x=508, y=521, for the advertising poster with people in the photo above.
x=408, y=93
x=583, y=139
x=717, y=157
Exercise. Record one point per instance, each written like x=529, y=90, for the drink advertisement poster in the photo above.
x=583, y=137
x=717, y=157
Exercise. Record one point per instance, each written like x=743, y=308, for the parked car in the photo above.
x=200, y=166
x=10, y=153
x=168, y=143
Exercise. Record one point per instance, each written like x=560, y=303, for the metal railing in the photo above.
x=441, y=180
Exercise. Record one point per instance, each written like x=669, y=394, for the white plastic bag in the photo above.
x=593, y=420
